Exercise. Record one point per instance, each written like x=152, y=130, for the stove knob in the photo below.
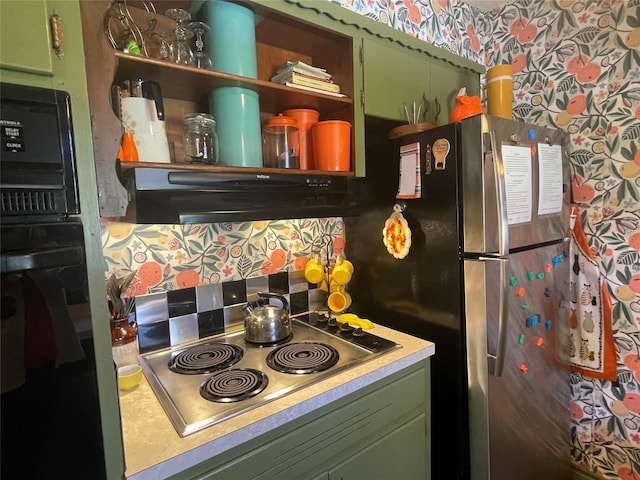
x=332, y=322
x=346, y=327
x=358, y=332
x=322, y=318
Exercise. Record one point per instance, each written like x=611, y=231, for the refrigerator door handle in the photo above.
x=501, y=200
x=495, y=360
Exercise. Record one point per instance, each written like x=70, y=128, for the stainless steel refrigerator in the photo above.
x=486, y=279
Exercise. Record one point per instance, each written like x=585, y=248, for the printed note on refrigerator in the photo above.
x=410, y=185
x=550, y=175
x=518, y=183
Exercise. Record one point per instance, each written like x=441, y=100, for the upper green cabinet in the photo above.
x=445, y=80
x=410, y=81
x=24, y=36
x=394, y=78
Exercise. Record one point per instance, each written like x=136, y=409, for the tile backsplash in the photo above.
x=178, y=316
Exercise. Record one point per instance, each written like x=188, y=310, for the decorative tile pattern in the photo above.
x=178, y=316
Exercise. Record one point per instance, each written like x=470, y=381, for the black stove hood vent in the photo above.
x=164, y=195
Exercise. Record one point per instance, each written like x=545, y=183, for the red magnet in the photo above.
x=539, y=341
x=523, y=368
x=520, y=291
x=548, y=267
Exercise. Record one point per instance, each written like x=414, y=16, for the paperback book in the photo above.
x=308, y=81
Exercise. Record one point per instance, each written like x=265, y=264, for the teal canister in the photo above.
x=231, y=41
x=231, y=44
x=237, y=111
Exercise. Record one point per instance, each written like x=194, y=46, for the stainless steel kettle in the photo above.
x=267, y=323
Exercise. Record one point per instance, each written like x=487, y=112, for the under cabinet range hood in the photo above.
x=180, y=196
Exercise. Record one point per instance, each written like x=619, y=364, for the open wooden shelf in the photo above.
x=193, y=84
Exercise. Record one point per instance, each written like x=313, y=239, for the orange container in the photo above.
x=332, y=145
x=306, y=118
x=500, y=91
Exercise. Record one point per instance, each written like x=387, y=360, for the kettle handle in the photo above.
x=277, y=296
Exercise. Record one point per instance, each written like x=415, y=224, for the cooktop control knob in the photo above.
x=332, y=322
x=358, y=332
x=346, y=327
x=322, y=318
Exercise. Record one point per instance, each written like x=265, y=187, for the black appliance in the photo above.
x=179, y=196
x=485, y=279
x=49, y=403
x=38, y=167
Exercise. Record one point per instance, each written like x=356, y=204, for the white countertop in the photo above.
x=153, y=449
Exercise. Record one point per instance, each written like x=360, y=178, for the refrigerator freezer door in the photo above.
x=532, y=186
x=519, y=421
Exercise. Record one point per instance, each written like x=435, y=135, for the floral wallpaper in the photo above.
x=170, y=257
x=577, y=67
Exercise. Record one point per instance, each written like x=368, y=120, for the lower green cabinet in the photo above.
x=398, y=454
x=380, y=431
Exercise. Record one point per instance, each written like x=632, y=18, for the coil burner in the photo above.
x=233, y=385
x=303, y=358
x=206, y=358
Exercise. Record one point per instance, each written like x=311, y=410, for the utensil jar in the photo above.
x=124, y=347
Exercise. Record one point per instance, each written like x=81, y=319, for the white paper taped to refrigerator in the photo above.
x=518, y=183
x=550, y=175
x=410, y=185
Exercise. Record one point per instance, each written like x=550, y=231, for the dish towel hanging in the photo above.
x=591, y=345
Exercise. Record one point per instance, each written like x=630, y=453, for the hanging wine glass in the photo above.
x=200, y=57
x=179, y=51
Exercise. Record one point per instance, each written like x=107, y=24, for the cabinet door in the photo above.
x=400, y=454
x=394, y=76
x=24, y=36
x=445, y=80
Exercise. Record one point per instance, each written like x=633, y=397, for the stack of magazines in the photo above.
x=306, y=77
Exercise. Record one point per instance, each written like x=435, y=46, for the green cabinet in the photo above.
x=399, y=71
x=372, y=433
x=400, y=453
x=445, y=80
x=394, y=77
x=25, y=37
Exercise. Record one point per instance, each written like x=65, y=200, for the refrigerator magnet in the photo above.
x=440, y=150
x=396, y=234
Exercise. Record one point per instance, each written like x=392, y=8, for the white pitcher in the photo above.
x=139, y=115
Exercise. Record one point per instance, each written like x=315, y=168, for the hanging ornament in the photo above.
x=396, y=234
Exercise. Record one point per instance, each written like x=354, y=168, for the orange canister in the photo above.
x=306, y=118
x=500, y=91
x=332, y=145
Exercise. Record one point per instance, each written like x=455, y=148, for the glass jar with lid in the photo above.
x=199, y=139
x=280, y=142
